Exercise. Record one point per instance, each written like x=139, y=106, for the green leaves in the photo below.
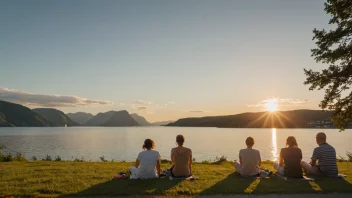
x=334, y=47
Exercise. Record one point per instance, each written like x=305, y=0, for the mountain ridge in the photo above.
x=112, y=118
x=57, y=117
x=301, y=118
x=18, y=115
x=162, y=123
x=12, y=114
x=80, y=117
x=140, y=119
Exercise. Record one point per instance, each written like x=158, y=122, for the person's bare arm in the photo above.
x=172, y=157
x=239, y=156
x=137, y=163
x=313, y=162
x=281, y=162
x=314, y=157
x=190, y=162
x=158, y=167
x=260, y=160
x=281, y=159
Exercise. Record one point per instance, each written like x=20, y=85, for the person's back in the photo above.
x=326, y=156
x=147, y=163
x=250, y=160
x=292, y=157
x=148, y=160
x=181, y=161
x=323, y=160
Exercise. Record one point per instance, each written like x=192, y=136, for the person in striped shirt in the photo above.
x=323, y=161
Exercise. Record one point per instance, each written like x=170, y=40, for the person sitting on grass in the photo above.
x=290, y=160
x=325, y=155
x=181, y=158
x=250, y=160
x=147, y=163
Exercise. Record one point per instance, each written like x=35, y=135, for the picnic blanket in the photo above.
x=192, y=177
x=304, y=178
x=167, y=172
x=265, y=174
x=341, y=176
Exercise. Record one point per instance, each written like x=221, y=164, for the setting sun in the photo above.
x=271, y=105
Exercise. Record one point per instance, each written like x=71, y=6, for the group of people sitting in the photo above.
x=290, y=162
x=148, y=161
x=323, y=160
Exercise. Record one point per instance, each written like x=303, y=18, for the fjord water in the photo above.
x=124, y=143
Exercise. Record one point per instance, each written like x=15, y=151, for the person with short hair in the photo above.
x=147, y=163
x=250, y=160
x=289, y=164
x=323, y=161
x=181, y=158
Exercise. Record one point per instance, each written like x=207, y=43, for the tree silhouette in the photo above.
x=334, y=47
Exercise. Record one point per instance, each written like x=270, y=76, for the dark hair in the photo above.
x=291, y=141
x=321, y=136
x=180, y=139
x=249, y=141
x=148, y=144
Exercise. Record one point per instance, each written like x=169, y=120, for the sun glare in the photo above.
x=271, y=105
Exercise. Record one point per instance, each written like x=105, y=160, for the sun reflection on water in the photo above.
x=274, y=144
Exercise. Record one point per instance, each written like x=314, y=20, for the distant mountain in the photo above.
x=3, y=122
x=58, y=118
x=162, y=123
x=281, y=119
x=100, y=119
x=121, y=118
x=112, y=118
x=17, y=115
x=80, y=117
x=140, y=119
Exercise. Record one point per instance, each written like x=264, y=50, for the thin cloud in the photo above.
x=282, y=102
x=167, y=104
x=141, y=108
x=157, y=106
x=43, y=100
x=141, y=102
x=141, y=105
x=196, y=111
x=144, y=105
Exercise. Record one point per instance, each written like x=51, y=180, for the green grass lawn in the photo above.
x=43, y=179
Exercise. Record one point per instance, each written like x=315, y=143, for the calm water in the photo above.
x=126, y=143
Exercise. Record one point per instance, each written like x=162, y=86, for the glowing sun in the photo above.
x=271, y=105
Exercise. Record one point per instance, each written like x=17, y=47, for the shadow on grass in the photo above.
x=328, y=185
x=129, y=187
x=275, y=184
x=233, y=184
x=321, y=185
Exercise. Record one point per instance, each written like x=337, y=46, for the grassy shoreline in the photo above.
x=52, y=179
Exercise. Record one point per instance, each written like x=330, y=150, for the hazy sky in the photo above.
x=161, y=59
